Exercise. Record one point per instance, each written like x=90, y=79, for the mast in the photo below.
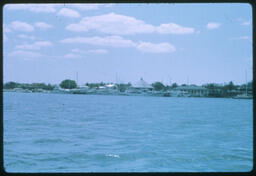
x=116, y=79
x=246, y=82
x=77, y=78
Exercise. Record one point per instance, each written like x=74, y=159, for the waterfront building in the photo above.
x=83, y=87
x=102, y=87
x=140, y=87
x=141, y=84
x=22, y=90
x=110, y=86
x=195, y=91
x=216, y=91
x=175, y=93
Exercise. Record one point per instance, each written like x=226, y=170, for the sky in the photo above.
x=121, y=43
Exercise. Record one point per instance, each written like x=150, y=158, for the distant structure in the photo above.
x=142, y=84
x=195, y=91
x=140, y=87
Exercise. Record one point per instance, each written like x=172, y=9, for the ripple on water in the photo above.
x=64, y=133
x=49, y=141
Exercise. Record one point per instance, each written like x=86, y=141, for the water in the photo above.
x=93, y=133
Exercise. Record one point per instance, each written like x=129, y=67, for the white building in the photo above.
x=195, y=91
x=140, y=87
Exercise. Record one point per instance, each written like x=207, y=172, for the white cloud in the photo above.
x=72, y=55
x=43, y=25
x=46, y=8
x=68, y=13
x=94, y=51
x=6, y=29
x=5, y=37
x=76, y=50
x=43, y=43
x=155, y=48
x=213, y=25
x=25, y=27
x=112, y=24
x=246, y=23
x=117, y=41
x=172, y=28
x=26, y=37
x=35, y=46
x=98, y=51
x=24, y=54
x=114, y=41
x=90, y=6
x=21, y=26
x=242, y=38
x=27, y=47
x=122, y=25
x=198, y=32
x=243, y=22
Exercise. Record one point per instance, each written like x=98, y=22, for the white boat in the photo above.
x=243, y=96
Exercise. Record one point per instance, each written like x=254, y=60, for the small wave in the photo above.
x=41, y=141
x=236, y=157
x=33, y=154
x=19, y=162
x=113, y=155
x=10, y=142
x=56, y=159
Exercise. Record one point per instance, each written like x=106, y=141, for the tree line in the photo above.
x=13, y=85
x=215, y=89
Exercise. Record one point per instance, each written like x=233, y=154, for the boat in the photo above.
x=243, y=96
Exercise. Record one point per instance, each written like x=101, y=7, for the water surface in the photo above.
x=99, y=133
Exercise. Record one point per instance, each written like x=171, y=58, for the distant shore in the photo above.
x=140, y=88
x=117, y=93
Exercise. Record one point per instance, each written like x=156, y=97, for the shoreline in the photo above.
x=118, y=94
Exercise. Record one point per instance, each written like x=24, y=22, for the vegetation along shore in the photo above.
x=141, y=88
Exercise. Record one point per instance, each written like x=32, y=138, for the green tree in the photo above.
x=249, y=85
x=68, y=84
x=49, y=87
x=122, y=87
x=230, y=86
x=174, y=85
x=210, y=86
x=10, y=85
x=158, y=86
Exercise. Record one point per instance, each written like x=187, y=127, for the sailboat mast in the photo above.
x=77, y=78
x=246, y=81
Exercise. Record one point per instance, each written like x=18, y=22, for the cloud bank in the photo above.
x=119, y=42
x=117, y=24
x=213, y=25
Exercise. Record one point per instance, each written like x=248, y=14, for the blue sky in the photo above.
x=195, y=43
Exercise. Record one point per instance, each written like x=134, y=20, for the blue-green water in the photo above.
x=93, y=133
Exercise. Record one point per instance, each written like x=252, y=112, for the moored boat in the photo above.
x=243, y=96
